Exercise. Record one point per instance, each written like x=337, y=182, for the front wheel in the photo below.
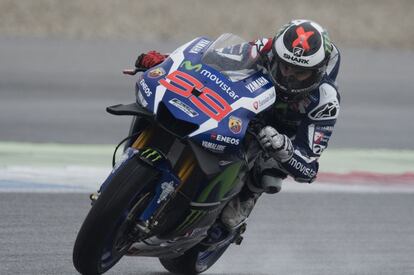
x=105, y=235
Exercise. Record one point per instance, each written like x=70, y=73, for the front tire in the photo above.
x=100, y=243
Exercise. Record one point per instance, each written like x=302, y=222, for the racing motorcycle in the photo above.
x=191, y=143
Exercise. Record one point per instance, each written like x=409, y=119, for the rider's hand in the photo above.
x=149, y=59
x=277, y=145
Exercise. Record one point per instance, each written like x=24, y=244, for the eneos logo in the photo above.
x=225, y=139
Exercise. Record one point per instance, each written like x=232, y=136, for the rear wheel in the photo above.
x=196, y=260
x=108, y=230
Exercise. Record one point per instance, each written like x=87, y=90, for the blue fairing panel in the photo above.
x=198, y=93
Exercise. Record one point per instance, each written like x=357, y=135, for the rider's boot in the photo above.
x=240, y=207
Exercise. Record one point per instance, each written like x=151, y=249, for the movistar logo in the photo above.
x=151, y=155
x=190, y=67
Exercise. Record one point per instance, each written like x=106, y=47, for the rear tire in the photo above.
x=194, y=261
x=100, y=243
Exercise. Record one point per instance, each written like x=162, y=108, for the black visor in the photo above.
x=293, y=85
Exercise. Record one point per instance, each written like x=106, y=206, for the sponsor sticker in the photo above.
x=145, y=88
x=296, y=59
x=214, y=78
x=235, y=124
x=325, y=112
x=319, y=137
x=327, y=128
x=183, y=107
x=167, y=188
x=261, y=43
x=199, y=46
x=265, y=100
x=301, y=168
x=142, y=100
x=213, y=146
x=225, y=162
x=157, y=72
x=298, y=51
x=225, y=139
x=189, y=66
x=257, y=84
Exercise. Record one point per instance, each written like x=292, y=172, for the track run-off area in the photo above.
x=28, y=167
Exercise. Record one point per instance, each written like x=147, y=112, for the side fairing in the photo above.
x=197, y=93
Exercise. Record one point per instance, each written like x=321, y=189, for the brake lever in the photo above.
x=133, y=71
x=266, y=155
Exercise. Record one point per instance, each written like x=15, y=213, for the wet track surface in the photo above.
x=289, y=233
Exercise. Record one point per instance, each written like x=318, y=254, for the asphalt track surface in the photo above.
x=289, y=233
x=57, y=91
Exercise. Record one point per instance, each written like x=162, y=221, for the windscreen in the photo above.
x=232, y=56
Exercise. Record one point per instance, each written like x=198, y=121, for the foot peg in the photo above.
x=93, y=197
x=239, y=238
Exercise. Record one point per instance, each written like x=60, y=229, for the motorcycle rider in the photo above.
x=303, y=64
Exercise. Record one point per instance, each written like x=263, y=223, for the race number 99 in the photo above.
x=208, y=101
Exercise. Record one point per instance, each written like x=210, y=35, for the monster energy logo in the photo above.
x=189, y=66
x=192, y=218
x=151, y=155
x=327, y=44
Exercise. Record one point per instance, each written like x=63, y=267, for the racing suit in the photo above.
x=308, y=122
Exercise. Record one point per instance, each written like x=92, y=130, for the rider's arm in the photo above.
x=313, y=135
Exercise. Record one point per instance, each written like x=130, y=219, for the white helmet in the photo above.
x=304, y=48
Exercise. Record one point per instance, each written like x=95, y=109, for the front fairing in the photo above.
x=207, y=95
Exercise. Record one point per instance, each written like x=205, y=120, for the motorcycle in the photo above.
x=191, y=144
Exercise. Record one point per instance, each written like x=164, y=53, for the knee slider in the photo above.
x=271, y=180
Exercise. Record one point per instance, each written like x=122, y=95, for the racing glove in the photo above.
x=149, y=59
x=278, y=146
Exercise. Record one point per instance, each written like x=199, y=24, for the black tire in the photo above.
x=194, y=261
x=97, y=248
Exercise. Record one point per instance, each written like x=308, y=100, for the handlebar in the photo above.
x=134, y=71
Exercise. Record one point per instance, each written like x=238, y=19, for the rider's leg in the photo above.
x=257, y=182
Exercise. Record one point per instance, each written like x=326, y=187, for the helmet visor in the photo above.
x=293, y=79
